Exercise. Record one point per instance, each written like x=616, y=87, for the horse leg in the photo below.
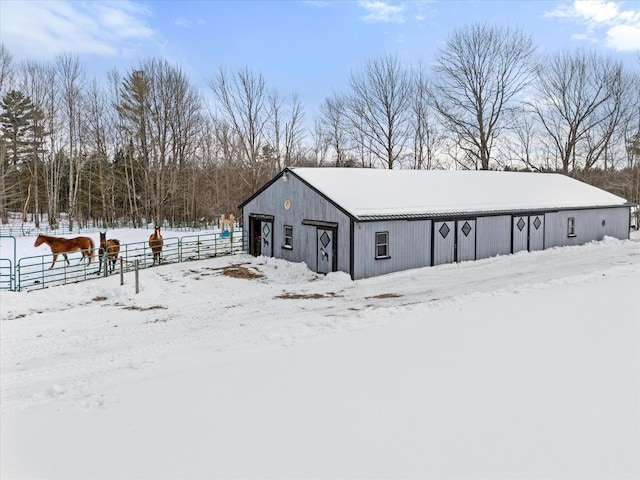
x=55, y=257
x=66, y=258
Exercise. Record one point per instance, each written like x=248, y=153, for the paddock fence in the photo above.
x=30, y=273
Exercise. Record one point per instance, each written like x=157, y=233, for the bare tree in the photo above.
x=478, y=74
x=99, y=134
x=378, y=108
x=293, y=131
x=160, y=111
x=71, y=79
x=39, y=80
x=6, y=69
x=320, y=147
x=523, y=145
x=243, y=105
x=427, y=138
x=582, y=99
x=286, y=133
x=132, y=105
x=333, y=124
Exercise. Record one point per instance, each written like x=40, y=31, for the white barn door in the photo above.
x=520, y=230
x=444, y=242
x=536, y=232
x=466, y=240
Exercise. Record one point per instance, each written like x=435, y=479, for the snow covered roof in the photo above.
x=376, y=193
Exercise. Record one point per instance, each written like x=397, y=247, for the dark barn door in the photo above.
x=266, y=229
x=326, y=250
x=261, y=235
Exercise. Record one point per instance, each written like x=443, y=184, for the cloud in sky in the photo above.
x=39, y=29
x=382, y=12
x=620, y=26
x=186, y=23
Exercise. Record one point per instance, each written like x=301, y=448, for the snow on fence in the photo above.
x=34, y=272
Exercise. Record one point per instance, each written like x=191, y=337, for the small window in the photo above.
x=288, y=237
x=382, y=244
x=571, y=227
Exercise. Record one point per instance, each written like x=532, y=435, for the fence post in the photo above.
x=137, y=276
x=121, y=271
x=104, y=261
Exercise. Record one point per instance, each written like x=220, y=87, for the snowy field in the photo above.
x=522, y=366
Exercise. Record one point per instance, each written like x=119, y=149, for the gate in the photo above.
x=6, y=274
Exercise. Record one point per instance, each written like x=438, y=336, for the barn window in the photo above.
x=571, y=226
x=288, y=237
x=382, y=244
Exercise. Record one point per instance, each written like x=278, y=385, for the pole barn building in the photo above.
x=368, y=222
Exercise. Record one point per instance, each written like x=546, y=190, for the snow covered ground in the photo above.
x=522, y=366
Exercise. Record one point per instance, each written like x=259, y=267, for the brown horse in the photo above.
x=109, y=248
x=155, y=242
x=66, y=245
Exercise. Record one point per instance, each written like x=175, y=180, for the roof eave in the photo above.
x=479, y=213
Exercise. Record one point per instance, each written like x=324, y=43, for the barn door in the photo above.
x=536, y=232
x=466, y=240
x=326, y=250
x=444, y=242
x=266, y=236
x=520, y=230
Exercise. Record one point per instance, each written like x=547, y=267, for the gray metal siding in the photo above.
x=493, y=236
x=409, y=247
x=305, y=204
x=588, y=226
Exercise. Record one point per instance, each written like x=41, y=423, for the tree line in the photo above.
x=146, y=146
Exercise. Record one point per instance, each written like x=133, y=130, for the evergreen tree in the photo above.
x=23, y=137
x=16, y=123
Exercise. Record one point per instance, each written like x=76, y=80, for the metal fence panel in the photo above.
x=38, y=272
x=35, y=272
x=210, y=245
x=6, y=274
